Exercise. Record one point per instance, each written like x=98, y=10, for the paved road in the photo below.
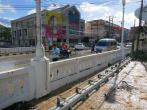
x=11, y=62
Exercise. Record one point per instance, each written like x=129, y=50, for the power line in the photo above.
x=46, y=4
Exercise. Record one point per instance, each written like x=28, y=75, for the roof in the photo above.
x=27, y=16
x=61, y=9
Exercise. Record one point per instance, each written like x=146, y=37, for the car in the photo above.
x=118, y=45
x=79, y=46
x=129, y=45
x=105, y=44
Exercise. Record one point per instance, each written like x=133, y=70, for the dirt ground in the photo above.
x=130, y=91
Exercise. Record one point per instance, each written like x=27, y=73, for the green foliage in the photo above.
x=5, y=33
x=142, y=56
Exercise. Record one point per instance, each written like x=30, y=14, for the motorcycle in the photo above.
x=65, y=53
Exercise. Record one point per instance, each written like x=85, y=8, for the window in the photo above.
x=102, y=43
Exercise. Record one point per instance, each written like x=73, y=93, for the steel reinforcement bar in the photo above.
x=93, y=85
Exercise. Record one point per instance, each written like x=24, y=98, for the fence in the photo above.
x=67, y=71
x=42, y=77
x=16, y=50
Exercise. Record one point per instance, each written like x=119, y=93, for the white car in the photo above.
x=79, y=46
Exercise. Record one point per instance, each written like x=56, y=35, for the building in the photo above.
x=97, y=29
x=133, y=34
x=58, y=25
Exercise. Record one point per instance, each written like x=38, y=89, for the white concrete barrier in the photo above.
x=16, y=85
x=67, y=71
x=42, y=77
x=16, y=50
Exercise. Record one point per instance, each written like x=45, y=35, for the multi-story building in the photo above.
x=98, y=29
x=61, y=24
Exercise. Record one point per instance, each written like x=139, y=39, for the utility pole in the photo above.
x=122, y=34
x=110, y=26
x=40, y=53
x=40, y=63
x=97, y=31
x=91, y=30
x=140, y=24
x=133, y=39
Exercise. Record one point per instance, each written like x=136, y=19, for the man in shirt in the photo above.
x=55, y=53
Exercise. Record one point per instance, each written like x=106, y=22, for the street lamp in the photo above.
x=122, y=34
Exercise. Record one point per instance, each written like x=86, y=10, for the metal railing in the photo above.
x=93, y=85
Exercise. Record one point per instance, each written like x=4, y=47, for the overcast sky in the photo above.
x=90, y=9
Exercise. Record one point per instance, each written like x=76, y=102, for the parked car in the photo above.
x=79, y=46
x=118, y=45
x=106, y=44
x=129, y=45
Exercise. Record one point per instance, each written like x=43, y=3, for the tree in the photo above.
x=5, y=34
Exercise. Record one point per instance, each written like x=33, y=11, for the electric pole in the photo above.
x=133, y=39
x=40, y=53
x=140, y=24
x=110, y=25
x=122, y=33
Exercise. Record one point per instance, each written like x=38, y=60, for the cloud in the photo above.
x=87, y=7
x=31, y=11
x=94, y=11
x=8, y=7
x=129, y=18
x=50, y=7
x=129, y=1
x=53, y=6
x=5, y=21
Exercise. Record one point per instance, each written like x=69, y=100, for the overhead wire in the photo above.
x=52, y=2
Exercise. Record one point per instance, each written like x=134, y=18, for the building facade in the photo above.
x=98, y=29
x=134, y=33
x=58, y=25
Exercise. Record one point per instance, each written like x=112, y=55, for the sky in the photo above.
x=89, y=9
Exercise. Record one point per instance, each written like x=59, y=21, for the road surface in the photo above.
x=15, y=61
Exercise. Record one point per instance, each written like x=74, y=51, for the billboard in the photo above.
x=53, y=24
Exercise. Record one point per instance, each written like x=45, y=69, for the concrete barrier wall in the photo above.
x=42, y=77
x=16, y=50
x=16, y=85
x=67, y=71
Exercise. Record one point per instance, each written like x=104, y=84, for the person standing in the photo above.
x=55, y=53
x=92, y=47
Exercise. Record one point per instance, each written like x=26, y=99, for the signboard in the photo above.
x=144, y=13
